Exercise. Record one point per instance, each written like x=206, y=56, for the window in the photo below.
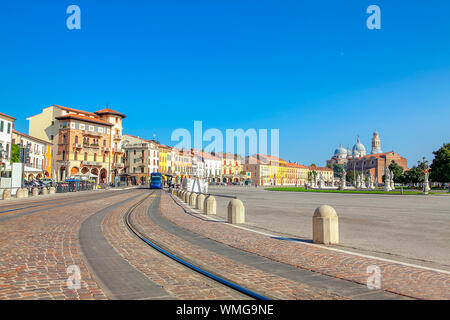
x=1, y=126
x=85, y=156
x=76, y=155
x=95, y=157
x=76, y=139
x=9, y=127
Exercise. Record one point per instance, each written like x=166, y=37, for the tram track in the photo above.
x=12, y=211
x=182, y=260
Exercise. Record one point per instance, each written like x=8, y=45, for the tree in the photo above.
x=413, y=175
x=440, y=168
x=338, y=169
x=313, y=165
x=397, y=170
x=15, y=153
x=350, y=176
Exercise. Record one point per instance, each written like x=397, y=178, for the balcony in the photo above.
x=117, y=137
x=92, y=133
x=118, y=165
x=77, y=145
x=106, y=149
x=63, y=162
x=92, y=163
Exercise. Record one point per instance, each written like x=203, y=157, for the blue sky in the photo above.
x=309, y=68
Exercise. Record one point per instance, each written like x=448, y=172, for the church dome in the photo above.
x=358, y=149
x=340, y=152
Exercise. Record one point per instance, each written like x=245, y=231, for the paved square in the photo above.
x=405, y=228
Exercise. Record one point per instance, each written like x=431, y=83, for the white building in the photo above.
x=142, y=156
x=38, y=166
x=6, y=128
x=198, y=166
x=213, y=167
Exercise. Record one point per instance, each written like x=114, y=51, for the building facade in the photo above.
x=39, y=165
x=374, y=163
x=141, y=157
x=6, y=129
x=81, y=141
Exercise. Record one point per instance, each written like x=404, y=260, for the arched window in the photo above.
x=76, y=139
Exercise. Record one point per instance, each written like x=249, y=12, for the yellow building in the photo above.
x=163, y=151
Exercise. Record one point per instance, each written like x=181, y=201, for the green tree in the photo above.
x=413, y=175
x=397, y=170
x=313, y=165
x=15, y=153
x=350, y=176
x=338, y=169
x=440, y=167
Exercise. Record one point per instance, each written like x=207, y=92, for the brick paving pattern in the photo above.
x=36, y=250
x=405, y=280
x=251, y=278
x=179, y=281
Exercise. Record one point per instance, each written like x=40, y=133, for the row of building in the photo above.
x=64, y=142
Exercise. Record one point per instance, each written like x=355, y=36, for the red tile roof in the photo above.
x=110, y=111
x=75, y=110
x=83, y=118
x=5, y=115
x=30, y=137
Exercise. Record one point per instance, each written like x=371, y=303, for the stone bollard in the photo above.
x=187, y=196
x=325, y=225
x=6, y=194
x=193, y=199
x=200, y=202
x=236, y=211
x=44, y=191
x=19, y=193
x=25, y=192
x=52, y=190
x=35, y=191
x=210, y=205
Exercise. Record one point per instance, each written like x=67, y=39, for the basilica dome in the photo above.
x=340, y=152
x=358, y=149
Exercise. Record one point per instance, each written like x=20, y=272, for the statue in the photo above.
x=387, y=179
x=358, y=181
x=426, y=184
x=363, y=181
x=343, y=178
x=371, y=178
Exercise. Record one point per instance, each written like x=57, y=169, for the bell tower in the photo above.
x=376, y=143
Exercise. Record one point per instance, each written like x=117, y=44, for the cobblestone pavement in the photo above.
x=251, y=278
x=37, y=249
x=405, y=280
x=177, y=280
